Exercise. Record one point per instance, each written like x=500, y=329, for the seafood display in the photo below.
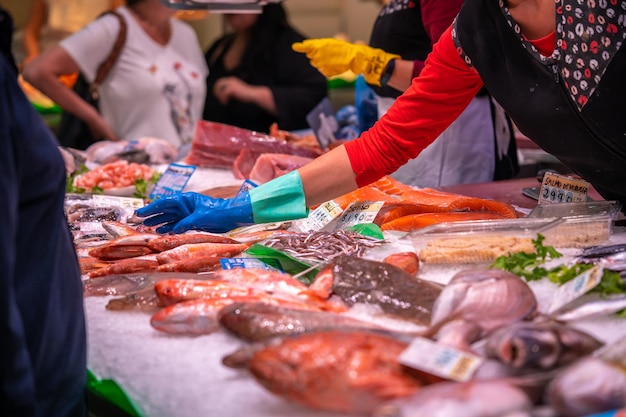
x=114, y=175
x=347, y=341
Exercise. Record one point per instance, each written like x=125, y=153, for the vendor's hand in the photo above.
x=333, y=57
x=228, y=88
x=192, y=211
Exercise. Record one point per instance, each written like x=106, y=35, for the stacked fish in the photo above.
x=131, y=250
x=530, y=364
x=406, y=208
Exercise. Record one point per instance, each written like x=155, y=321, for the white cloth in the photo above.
x=464, y=153
x=152, y=90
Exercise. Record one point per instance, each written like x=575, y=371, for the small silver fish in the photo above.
x=592, y=304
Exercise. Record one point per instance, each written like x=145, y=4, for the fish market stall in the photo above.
x=381, y=285
x=183, y=375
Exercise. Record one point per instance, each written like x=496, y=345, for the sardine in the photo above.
x=596, y=252
x=592, y=304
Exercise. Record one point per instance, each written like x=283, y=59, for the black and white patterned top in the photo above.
x=588, y=35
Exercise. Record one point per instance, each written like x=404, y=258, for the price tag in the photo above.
x=557, y=188
x=358, y=213
x=576, y=287
x=172, y=181
x=440, y=360
x=100, y=200
x=234, y=263
x=246, y=186
x=319, y=218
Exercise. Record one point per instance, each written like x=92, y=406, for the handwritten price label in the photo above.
x=557, y=188
x=576, y=288
x=319, y=218
x=359, y=212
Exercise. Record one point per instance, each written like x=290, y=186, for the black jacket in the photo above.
x=296, y=85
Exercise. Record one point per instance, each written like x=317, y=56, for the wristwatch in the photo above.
x=384, y=79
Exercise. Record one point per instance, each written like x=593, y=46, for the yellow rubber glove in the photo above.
x=333, y=57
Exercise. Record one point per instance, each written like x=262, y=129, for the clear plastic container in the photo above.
x=484, y=240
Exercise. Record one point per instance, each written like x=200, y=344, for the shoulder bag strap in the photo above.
x=105, y=67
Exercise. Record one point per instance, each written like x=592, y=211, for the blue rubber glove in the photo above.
x=279, y=200
x=192, y=211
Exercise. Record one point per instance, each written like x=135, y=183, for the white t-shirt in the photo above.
x=152, y=90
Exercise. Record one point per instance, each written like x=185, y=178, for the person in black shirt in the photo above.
x=256, y=79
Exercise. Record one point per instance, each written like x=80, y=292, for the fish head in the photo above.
x=523, y=346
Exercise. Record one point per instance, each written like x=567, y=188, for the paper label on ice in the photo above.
x=172, y=181
x=234, y=263
x=576, y=287
x=359, y=212
x=319, y=218
x=557, y=188
x=100, y=200
x=440, y=360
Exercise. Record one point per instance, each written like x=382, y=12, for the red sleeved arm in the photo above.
x=433, y=101
x=437, y=15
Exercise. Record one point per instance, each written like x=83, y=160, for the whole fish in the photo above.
x=199, y=316
x=409, y=261
x=124, y=247
x=254, y=322
x=143, y=300
x=196, y=264
x=589, y=305
x=167, y=242
x=124, y=284
x=276, y=282
x=395, y=291
x=488, y=298
x=127, y=266
x=173, y=291
x=478, y=398
x=343, y=370
x=588, y=386
x=117, y=229
x=539, y=345
x=191, y=250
